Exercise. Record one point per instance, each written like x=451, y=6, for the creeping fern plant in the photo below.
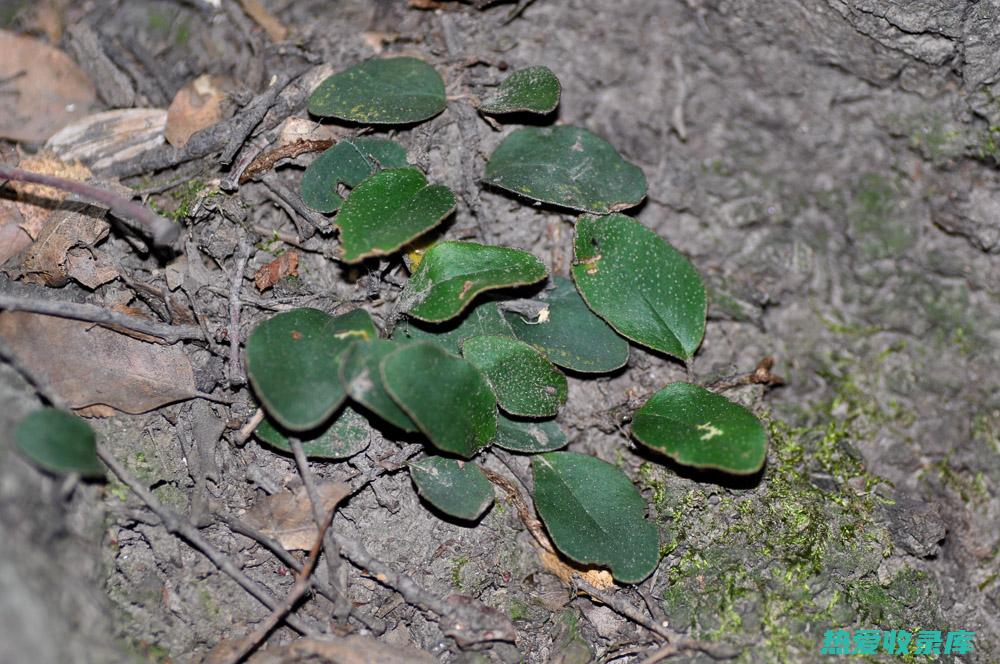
x=464, y=371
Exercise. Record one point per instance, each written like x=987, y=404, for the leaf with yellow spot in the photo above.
x=399, y=90
x=293, y=362
x=643, y=287
x=451, y=274
x=699, y=428
x=388, y=210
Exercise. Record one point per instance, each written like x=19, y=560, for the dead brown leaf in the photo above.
x=46, y=17
x=599, y=578
x=13, y=238
x=429, y=4
x=353, y=649
x=197, y=105
x=104, y=139
x=377, y=39
x=287, y=517
x=92, y=269
x=275, y=29
x=285, y=265
x=35, y=201
x=43, y=90
x=71, y=227
x=86, y=364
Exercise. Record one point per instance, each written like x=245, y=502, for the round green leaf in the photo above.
x=342, y=437
x=455, y=487
x=386, y=91
x=569, y=334
x=525, y=383
x=293, y=361
x=480, y=319
x=699, y=428
x=348, y=162
x=445, y=396
x=532, y=90
x=388, y=210
x=451, y=274
x=595, y=515
x=59, y=442
x=529, y=436
x=359, y=372
x=647, y=290
x=567, y=166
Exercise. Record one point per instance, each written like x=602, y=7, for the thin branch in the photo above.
x=94, y=314
x=335, y=564
x=176, y=525
x=163, y=232
x=279, y=552
x=760, y=376
x=676, y=642
x=302, y=585
x=236, y=285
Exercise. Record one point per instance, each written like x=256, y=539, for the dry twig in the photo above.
x=180, y=527
x=92, y=313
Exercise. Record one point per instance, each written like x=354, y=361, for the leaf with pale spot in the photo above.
x=457, y=488
x=568, y=333
x=529, y=436
x=398, y=90
x=524, y=382
x=699, y=428
x=530, y=90
x=566, y=166
x=643, y=287
x=388, y=210
x=361, y=377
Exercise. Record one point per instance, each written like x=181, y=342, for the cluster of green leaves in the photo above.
x=464, y=371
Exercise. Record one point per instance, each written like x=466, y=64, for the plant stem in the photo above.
x=163, y=232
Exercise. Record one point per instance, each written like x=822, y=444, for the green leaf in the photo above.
x=445, y=396
x=569, y=334
x=699, y=428
x=348, y=162
x=647, y=290
x=341, y=437
x=567, y=166
x=359, y=372
x=293, y=361
x=525, y=383
x=59, y=442
x=451, y=274
x=595, y=515
x=455, y=487
x=532, y=90
x=529, y=436
x=482, y=318
x=385, y=91
x=388, y=210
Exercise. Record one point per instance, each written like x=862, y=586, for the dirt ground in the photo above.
x=829, y=166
